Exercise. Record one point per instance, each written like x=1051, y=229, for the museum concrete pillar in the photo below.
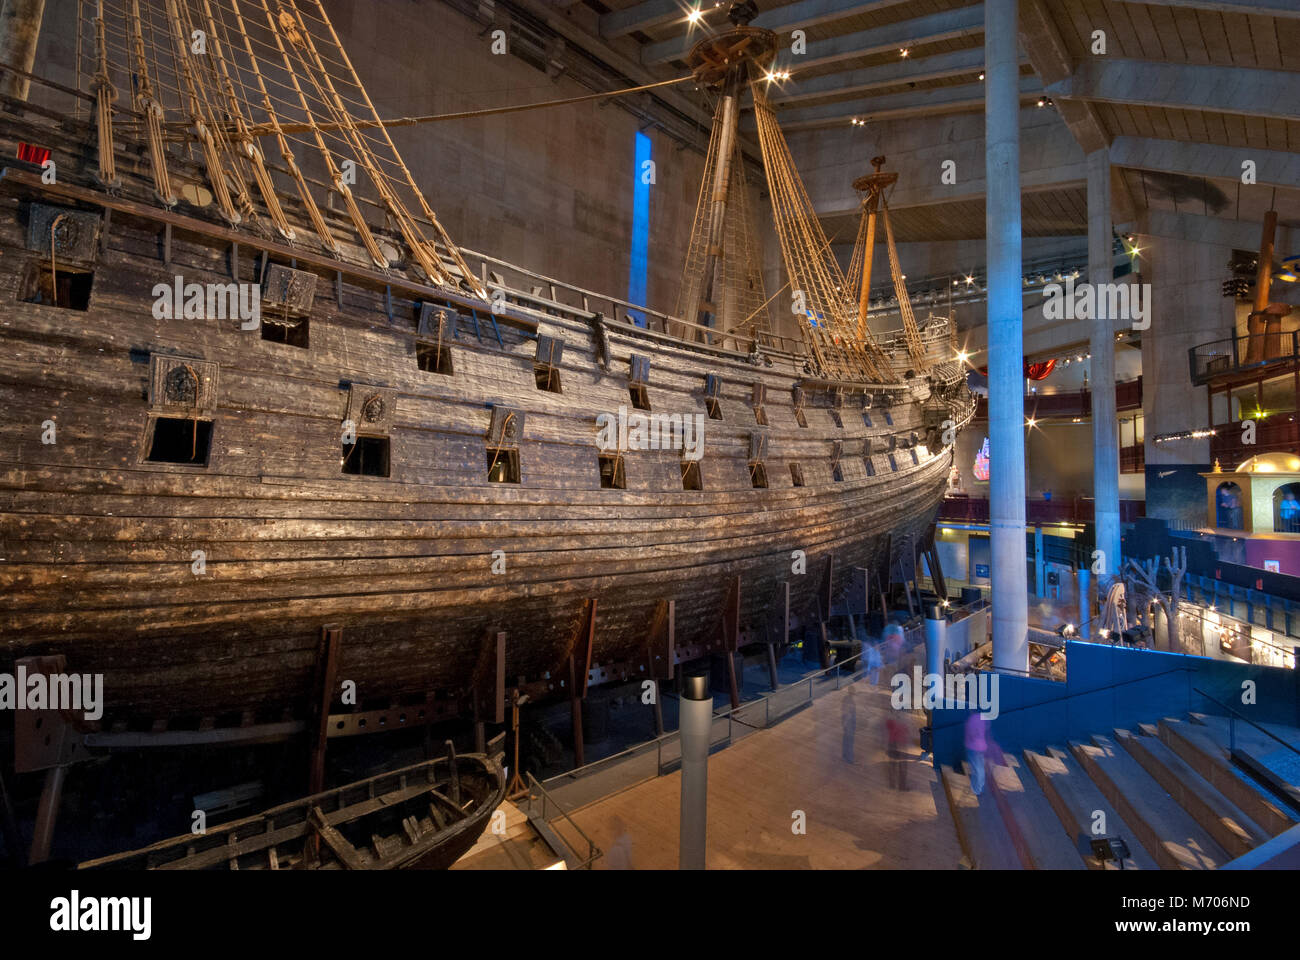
x=1085, y=605
x=1105, y=430
x=936, y=638
x=1006, y=349
x=694, y=723
x=20, y=29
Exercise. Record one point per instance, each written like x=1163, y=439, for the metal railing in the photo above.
x=537, y=792
x=1071, y=696
x=1234, y=716
x=1076, y=510
x=600, y=778
x=1235, y=354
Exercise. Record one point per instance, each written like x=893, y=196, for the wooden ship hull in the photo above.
x=421, y=817
x=181, y=510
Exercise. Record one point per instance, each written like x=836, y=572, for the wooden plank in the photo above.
x=327, y=663
x=346, y=853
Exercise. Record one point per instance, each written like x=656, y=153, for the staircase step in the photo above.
x=1076, y=800
x=980, y=829
x=1165, y=829
x=1264, y=758
x=1216, y=814
x=1207, y=754
x=1048, y=845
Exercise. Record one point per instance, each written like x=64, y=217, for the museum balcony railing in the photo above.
x=1079, y=510
x=1071, y=403
x=1235, y=355
x=1133, y=459
x=1273, y=434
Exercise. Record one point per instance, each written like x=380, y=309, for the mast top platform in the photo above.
x=714, y=58
x=873, y=183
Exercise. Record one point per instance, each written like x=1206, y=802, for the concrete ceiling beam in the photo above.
x=1258, y=8
x=854, y=82
x=1237, y=90
x=948, y=25
x=915, y=103
x=805, y=13
x=1051, y=60
x=1273, y=168
x=642, y=16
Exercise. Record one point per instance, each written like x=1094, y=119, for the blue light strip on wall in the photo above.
x=638, y=267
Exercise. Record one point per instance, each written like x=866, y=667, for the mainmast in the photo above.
x=721, y=281
x=723, y=63
x=20, y=29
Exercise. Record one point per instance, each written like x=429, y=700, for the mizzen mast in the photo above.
x=874, y=205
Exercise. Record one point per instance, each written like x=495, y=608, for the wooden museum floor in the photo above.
x=829, y=762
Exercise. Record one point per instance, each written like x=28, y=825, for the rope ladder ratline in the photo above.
x=825, y=325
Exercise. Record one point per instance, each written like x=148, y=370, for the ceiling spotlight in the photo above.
x=1045, y=101
x=969, y=281
x=962, y=356
x=694, y=16
x=981, y=76
x=903, y=51
x=1031, y=422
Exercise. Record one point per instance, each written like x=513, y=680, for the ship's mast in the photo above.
x=721, y=282
x=873, y=186
x=729, y=111
x=20, y=29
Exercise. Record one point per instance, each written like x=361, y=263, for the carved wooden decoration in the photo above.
x=507, y=427
x=371, y=409
x=288, y=290
x=182, y=385
x=550, y=350
x=74, y=232
x=436, y=320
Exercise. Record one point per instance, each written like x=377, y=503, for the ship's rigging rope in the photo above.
x=815, y=275
x=282, y=71
x=264, y=129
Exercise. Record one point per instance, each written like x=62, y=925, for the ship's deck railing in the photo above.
x=545, y=294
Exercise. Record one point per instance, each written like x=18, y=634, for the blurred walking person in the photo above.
x=976, y=746
x=898, y=735
x=849, y=720
x=874, y=663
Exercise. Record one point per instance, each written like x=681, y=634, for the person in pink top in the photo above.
x=976, y=746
